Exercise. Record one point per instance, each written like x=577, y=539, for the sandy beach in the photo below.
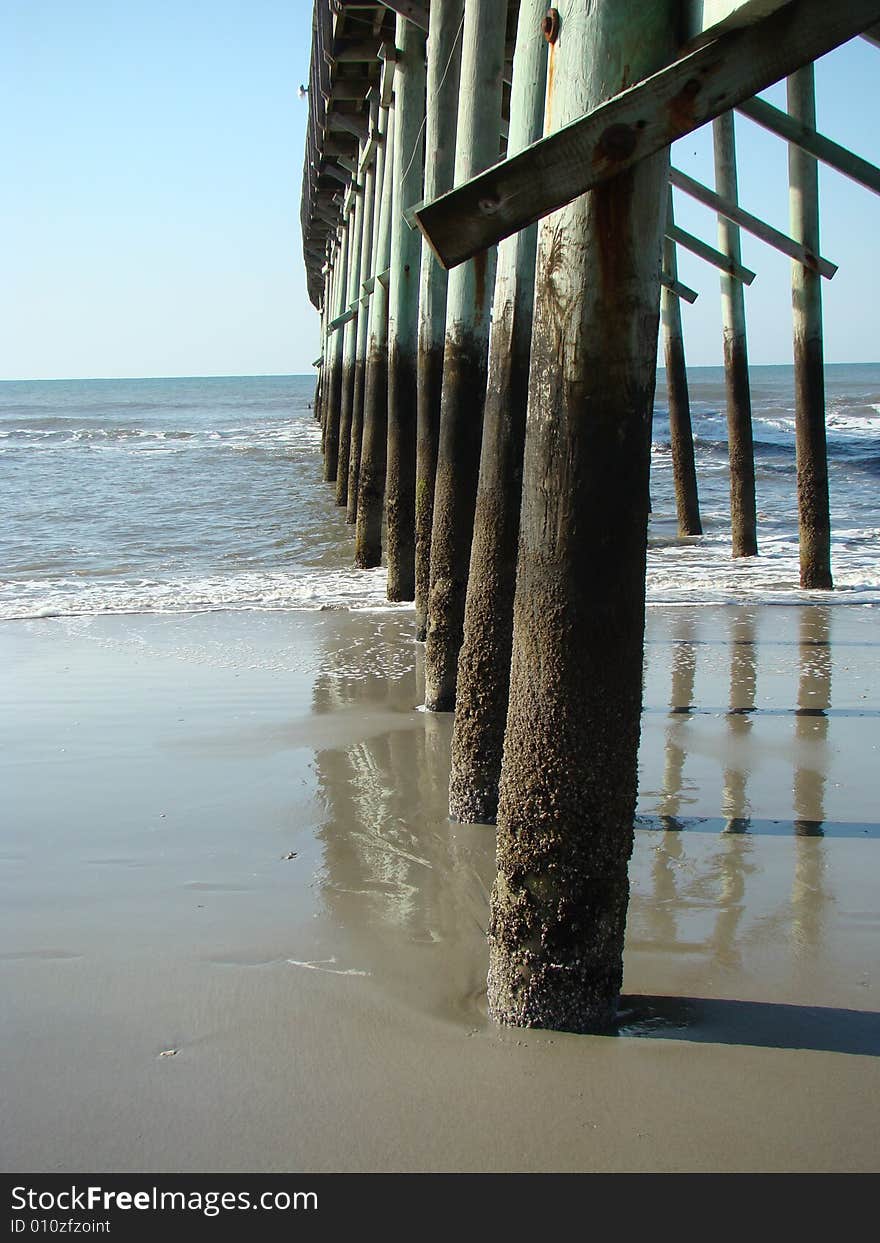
x=240, y=933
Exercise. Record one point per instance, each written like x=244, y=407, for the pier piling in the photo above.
x=484, y=661
x=335, y=351
x=372, y=202
x=469, y=298
x=681, y=433
x=743, y=507
x=814, y=521
x=349, y=338
x=568, y=782
x=444, y=64
x=371, y=476
x=403, y=303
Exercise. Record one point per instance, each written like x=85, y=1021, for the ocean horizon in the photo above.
x=179, y=494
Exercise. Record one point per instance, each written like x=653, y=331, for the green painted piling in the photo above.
x=349, y=339
x=403, y=302
x=484, y=661
x=569, y=778
x=681, y=433
x=444, y=64
x=371, y=476
x=336, y=342
x=469, y=298
x=372, y=203
x=814, y=520
x=743, y=506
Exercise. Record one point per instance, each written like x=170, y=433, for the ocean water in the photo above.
x=154, y=496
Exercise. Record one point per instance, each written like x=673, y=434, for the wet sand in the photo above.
x=326, y=1011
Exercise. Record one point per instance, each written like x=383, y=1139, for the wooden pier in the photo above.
x=489, y=237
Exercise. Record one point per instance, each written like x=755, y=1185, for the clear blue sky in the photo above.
x=152, y=153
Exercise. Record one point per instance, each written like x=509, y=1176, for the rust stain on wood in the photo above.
x=551, y=78
x=681, y=108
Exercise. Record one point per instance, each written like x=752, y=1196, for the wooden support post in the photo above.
x=444, y=62
x=743, y=512
x=468, y=303
x=320, y=400
x=680, y=431
x=371, y=476
x=327, y=346
x=809, y=372
x=484, y=662
x=403, y=311
x=568, y=786
x=335, y=345
x=372, y=205
x=349, y=340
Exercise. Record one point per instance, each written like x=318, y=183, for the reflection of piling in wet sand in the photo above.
x=662, y=911
x=808, y=896
x=743, y=681
x=732, y=866
x=684, y=668
x=386, y=870
x=811, y=721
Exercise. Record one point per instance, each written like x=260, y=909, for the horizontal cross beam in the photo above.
x=342, y=319
x=698, y=247
x=634, y=124
x=676, y=287
x=809, y=140
x=752, y=224
x=410, y=9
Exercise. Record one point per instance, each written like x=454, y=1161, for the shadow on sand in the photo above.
x=762, y=1024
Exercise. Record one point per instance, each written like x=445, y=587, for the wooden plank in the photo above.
x=410, y=9
x=354, y=88
x=815, y=144
x=704, y=19
x=636, y=123
x=333, y=170
x=386, y=77
x=752, y=224
x=332, y=147
x=349, y=123
x=679, y=289
x=700, y=248
x=357, y=51
x=341, y=320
